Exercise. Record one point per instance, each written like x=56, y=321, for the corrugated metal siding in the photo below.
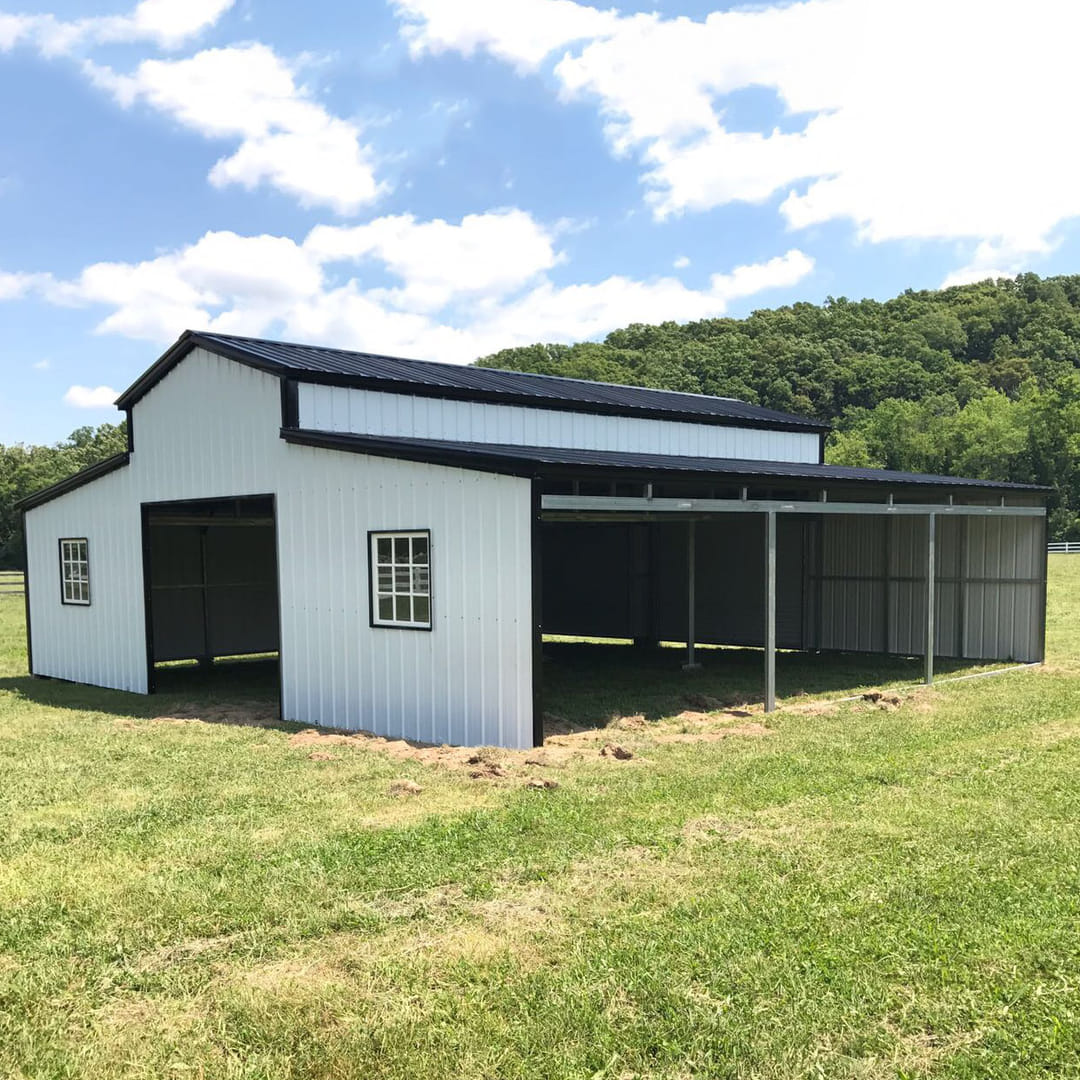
x=368, y=412
x=104, y=643
x=988, y=586
x=209, y=429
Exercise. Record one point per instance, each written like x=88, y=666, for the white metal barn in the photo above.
x=403, y=532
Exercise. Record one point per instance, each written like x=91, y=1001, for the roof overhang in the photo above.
x=555, y=463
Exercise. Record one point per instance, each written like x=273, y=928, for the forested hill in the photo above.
x=978, y=380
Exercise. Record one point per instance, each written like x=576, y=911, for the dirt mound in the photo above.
x=404, y=787
x=613, y=750
x=314, y=737
x=883, y=701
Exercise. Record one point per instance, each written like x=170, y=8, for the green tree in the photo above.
x=26, y=469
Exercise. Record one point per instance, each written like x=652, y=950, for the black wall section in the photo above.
x=629, y=580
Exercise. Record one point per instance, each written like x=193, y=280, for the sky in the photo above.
x=445, y=178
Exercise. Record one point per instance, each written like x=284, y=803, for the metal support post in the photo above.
x=691, y=598
x=930, y=546
x=770, y=611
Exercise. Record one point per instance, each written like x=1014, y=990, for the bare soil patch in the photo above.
x=239, y=713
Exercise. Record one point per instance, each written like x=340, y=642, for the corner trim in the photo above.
x=26, y=597
x=290, y=403
x=536, y=613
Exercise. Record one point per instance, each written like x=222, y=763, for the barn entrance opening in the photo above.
x=211, y=591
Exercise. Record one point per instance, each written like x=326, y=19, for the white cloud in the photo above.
x=486, y=254
x=15, y=286
x=248, y=92
x=85, y=397
x=435, y=289
x=522, y=33
x=912, y=119
x=167, y=23
x=42, y=365
x=681, y=262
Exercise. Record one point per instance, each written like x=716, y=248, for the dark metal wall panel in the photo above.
x=587, y=580
x=229, y=612
x=595, y=583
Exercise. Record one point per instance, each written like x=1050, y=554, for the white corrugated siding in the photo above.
x=210, y=429
x=371, y=412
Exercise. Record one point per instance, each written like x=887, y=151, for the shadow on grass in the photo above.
x=230, y=691
x=584, y=684
x=587, y=684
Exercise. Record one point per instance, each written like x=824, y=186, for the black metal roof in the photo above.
x=340, y=367
x=547, y=460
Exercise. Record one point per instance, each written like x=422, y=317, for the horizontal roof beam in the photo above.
x=592, y=504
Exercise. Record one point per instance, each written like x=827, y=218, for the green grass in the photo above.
x=864, y=893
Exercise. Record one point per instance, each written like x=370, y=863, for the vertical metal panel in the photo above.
x=1003, y=600
x=987, y=594
x=371, y=412
x=210, y=429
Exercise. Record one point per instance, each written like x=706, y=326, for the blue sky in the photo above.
x=443, y=178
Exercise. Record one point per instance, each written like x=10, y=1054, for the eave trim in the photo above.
x=71, y=483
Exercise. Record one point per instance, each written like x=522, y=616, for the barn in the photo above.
x=403, y=533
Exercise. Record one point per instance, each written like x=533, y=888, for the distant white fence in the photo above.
x=11, y=583
x=1064, y=547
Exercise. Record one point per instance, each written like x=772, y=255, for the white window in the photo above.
x=74, y=572
x=401, y=579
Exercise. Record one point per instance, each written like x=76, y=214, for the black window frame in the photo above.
x=67, y=561
x=381, y=624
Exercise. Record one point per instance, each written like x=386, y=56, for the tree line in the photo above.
x=25, y=469
x=976, y=380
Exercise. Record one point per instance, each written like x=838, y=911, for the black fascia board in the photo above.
x=191, y=339
x=71, y=483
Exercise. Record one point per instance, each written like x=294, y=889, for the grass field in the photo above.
x=862, y=891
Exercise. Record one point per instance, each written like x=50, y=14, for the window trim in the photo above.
x=373, y=580
x=63, y=580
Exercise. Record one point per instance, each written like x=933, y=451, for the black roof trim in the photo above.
x=545, y=461
x=462, y=382
x=78, y=480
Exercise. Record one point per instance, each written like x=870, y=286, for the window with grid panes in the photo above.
x=74, y=572
x=401, y=579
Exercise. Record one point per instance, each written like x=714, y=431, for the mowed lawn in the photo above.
x=864, y=891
